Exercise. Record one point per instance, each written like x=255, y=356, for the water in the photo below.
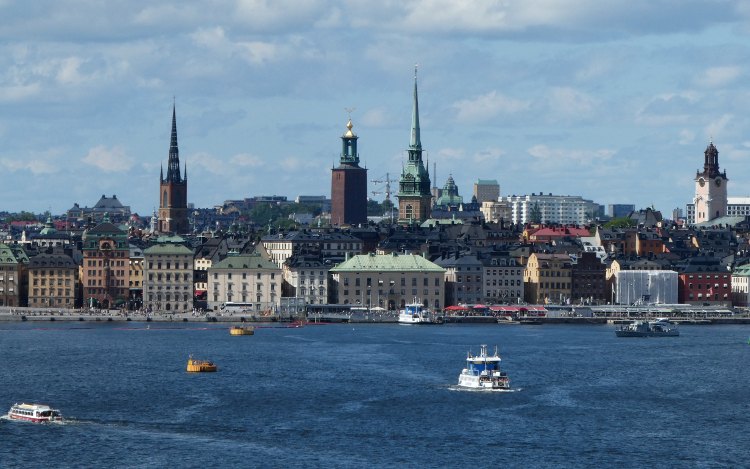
x=374, y=396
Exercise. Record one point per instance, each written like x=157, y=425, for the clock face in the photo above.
x=718, y=182
x=702, y=182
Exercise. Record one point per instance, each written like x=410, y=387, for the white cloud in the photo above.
x=487, y=106
x=246, y=159
x=668, y=109
x=686, y=137
x=18, y=92
x=376, y=117
x=718, y=128
x=719, y=76
x=109, y=160
x=563, y=157
x=571, y=102
x=36, y=166
x=447, y=154
x=488, y=154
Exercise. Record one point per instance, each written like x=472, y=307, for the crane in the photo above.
x=385, y=190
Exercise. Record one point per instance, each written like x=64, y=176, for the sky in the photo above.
x=612, y=100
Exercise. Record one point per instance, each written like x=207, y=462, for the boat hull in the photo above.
x=622, y=333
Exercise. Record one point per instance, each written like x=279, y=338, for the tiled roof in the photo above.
x=252, y=261
x=387, y=262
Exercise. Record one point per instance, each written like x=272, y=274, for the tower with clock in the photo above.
x=710, y=188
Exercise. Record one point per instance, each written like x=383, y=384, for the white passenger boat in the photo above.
x=661, y=327
x=37, y=413
x=416, y=313
x=483, y=372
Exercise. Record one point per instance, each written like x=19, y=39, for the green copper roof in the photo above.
x=387, y=263
x=415, y=142
x=742, y=271
x=169, y=249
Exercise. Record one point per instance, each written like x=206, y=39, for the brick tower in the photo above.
x=173, y=216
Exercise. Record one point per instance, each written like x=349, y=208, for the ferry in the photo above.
x=242, y=330
x=37, y=413
x=416, y=313
x=661, y=327
x=200, y=366
x=483, y=372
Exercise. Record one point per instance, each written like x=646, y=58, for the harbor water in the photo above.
x=373, y=395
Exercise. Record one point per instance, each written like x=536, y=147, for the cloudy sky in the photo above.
x=613, y=100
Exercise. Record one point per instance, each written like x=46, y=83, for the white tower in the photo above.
x=710, y=188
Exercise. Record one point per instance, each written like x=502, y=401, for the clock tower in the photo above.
x=710, y=188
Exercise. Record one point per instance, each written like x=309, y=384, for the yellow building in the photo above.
x=547, y=279
x=53, y=280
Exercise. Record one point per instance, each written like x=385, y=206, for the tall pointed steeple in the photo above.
x=415, y=143
x=173, y=167
x=414, y=197
x=173, y=189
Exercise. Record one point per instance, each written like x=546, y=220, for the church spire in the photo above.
x=173, y=166
x=416, y=142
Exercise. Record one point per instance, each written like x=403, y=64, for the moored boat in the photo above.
x=200, y=366
x=38, y=413
x=416, y=313
x=659, y=328
x=483, y=372
x=242, y=330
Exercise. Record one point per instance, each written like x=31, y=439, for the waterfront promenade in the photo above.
x=613, y=315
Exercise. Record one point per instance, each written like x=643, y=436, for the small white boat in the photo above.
x=37, y=413
x=483, y=372
x=416, y=313
x=662, y=327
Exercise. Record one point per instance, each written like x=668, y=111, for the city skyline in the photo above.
x=616, y=105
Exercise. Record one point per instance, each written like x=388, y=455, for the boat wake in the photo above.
x=455, y=387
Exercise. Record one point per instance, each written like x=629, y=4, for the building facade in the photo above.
x=463, y=280
x=173, y=212
x=548, y=279
x=388, y=281
x=710, y=199
x=168, y=278
x=487, y=190
x=250, y=279
x=306, y=278
x=13, y=275
x=550, y=209
x=53, y=280
x=335, y=246
x=414, y=194
x=503, y=279
x=105, y=272
x=349, y=184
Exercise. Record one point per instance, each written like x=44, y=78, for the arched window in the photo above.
x=164, y=199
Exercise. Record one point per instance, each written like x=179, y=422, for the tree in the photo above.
x=535, y=213
x=622, y=222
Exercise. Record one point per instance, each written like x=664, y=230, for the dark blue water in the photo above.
x=374, y=396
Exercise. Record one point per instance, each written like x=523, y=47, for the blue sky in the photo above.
x=611, y=100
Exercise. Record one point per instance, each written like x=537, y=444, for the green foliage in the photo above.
x=622, y=222
x=278, y=214
x=535, y=214
x=22, y=216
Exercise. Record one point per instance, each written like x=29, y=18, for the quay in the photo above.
x=680, y=314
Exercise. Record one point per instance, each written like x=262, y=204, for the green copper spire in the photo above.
x=416, y=142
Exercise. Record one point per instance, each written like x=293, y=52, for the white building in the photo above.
x=645, y=286
x=561, y=209
x=248, y=279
